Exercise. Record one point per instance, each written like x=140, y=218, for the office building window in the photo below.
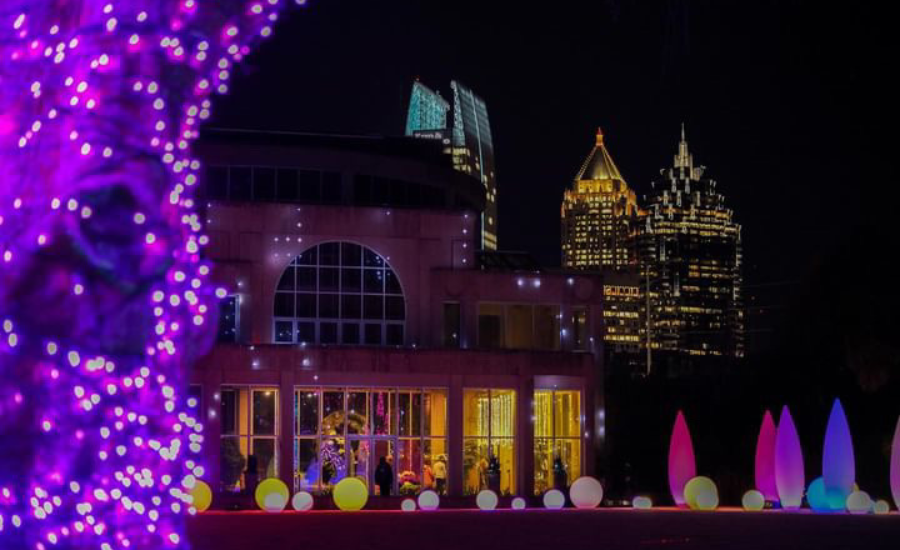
x=518, y=326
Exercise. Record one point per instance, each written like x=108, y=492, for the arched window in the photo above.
x=339, y=293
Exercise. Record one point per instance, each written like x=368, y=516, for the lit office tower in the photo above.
x=690, y=252
x=598, y=216
x=427, y=110
x=468, y=140
x=473, y=153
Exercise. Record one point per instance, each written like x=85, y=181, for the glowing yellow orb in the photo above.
x=753, y=501
x=486, y=500
x=202, y=495
x=518, y=503
x=881, y=507
x=859, y=502
x=554, y=499
x=272, y=495
x=350, y=494
x=642, y=503
x=586, y=492
x=408, y=505
x=700, y=493
x=429, y=500
x=302, y=501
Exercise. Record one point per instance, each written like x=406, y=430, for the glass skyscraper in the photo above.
x=469, y=141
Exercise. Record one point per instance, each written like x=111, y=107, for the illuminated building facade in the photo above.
x=690, y=251
x=365, y=323
x=468, y=140
x=598, y=215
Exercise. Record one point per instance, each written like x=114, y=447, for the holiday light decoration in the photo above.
x=682, y=467
x=350, y=494
x=881, y=507
x=753, y=501
x=838, y=464
x=765, y=459
x=895, y=466
x=429, y=500
x=789, y=475
x=586, y=492
x=701, y=493
x=554, y=499
x=818, y=498
x=202, y=496
x=302, y=502
x=486, y=500
x=272, y=495
x=518, y=503
x=104, y=296
x=408, y=505
x=859, y=502
x=642, y=503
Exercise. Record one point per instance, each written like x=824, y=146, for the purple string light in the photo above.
x=105, y=298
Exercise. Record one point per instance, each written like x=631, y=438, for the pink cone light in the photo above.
x=682, y=467
x=765, y=459
x=789, y=475
x=838, y=465
x=895, y=466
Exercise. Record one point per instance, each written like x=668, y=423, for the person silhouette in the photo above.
x=384, y=477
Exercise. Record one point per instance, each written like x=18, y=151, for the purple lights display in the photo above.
x=765, y=459
x=790, y=478
x=104, y=297
x=838, y=463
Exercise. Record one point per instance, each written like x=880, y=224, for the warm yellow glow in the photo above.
x=701, y=493
x=350, y=494
x=272, y=495
x=202, y=495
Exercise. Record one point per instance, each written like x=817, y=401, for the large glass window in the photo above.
x=557, y=438
x=489, y=426
x=451, y=324
x=339, y=293
x=518, y=326
x=341, y=432
x=249, y=434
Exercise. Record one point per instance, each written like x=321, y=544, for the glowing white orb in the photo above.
x=859, y=502
x=586, y=492
x=274, y=502
x=881, y=507
x=486, y=500
x=642, y=503
x=408, y=505
x=518, y=503
x=429, y=500
x=302, y=501
x=554, y=499
x=753, y=501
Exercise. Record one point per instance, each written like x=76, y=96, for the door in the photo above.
x=383, y=447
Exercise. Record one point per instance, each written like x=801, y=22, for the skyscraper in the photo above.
x=690, y=253
x=427, y=110
x=468, y=140
x=598, y=215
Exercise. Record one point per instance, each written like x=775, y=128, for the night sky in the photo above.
x=787, y=103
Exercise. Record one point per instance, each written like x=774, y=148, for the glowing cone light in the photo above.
x=789, y=475
x=682, y=467
x=838, y=466
x=765, y=459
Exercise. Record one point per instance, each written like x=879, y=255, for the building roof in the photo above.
x=599, y=165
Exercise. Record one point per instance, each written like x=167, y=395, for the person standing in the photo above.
x=440, y=475
x=384, y=477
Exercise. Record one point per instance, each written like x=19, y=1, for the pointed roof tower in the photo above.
x=599, y=165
